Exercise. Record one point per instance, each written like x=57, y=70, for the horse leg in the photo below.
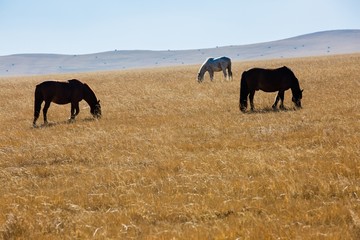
x=224, y=72
x=281, y=96
x=45, y=109
x=74, y=111
x=77, y=109
x=211, y=75
x=37, y=109
x=36, y=116
x=277, y=98
x=251, y=97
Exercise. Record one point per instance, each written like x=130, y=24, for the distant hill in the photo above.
x=314, y=44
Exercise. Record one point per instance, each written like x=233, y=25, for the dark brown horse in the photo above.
x=269, y=80
x=71, y=91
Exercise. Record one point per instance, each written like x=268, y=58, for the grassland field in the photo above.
x=175, y=159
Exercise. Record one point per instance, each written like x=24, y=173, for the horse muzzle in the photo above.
x=97, y=115
x=243, y=106
x=298, y=104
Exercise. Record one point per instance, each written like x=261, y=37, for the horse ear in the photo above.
x=98, y=101
x=302, y=90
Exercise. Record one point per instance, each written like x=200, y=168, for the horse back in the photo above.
x=270, y=80
x=219, y=63
x=59, y=92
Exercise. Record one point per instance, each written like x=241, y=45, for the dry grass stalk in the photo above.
x=172, y=158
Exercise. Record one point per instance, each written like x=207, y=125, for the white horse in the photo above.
x=212, y=65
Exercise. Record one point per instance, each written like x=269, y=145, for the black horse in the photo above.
x=71, y=91
x=269, y=80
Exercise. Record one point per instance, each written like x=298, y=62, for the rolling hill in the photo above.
x=315, y=44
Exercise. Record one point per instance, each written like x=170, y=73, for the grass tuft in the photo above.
x=172, y=158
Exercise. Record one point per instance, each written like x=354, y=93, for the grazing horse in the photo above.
x=212, y=65
x=269, y=80
x=71, y=91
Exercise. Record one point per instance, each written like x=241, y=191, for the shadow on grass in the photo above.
x=53, y=124
x=270, y=110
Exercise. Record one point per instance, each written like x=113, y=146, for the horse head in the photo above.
x=200, y=77
x=243, y=105
x=96, y=110
x=297, y=99
x=202, y=71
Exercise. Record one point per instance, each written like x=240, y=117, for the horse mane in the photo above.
x=38, y=100
x=288, y=71
x=202, y=69
x=295, y=89
x=243, y=87
x=89, y=95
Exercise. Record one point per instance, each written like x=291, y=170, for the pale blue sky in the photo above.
x=87, y=26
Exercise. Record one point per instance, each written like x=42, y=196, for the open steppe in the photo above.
x=315, y=44
x=174, y=159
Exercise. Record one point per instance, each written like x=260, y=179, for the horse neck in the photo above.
x=243, y=87
x=244, y=92
x=295, y=88
x=202, y=70
x=89, y=96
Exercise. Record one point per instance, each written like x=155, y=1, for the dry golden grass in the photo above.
x=172, y=158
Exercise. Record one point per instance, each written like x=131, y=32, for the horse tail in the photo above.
x=37, y=102
x=243, y=92
x=229, y=70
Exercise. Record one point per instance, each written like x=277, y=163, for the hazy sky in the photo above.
x=87, y=26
